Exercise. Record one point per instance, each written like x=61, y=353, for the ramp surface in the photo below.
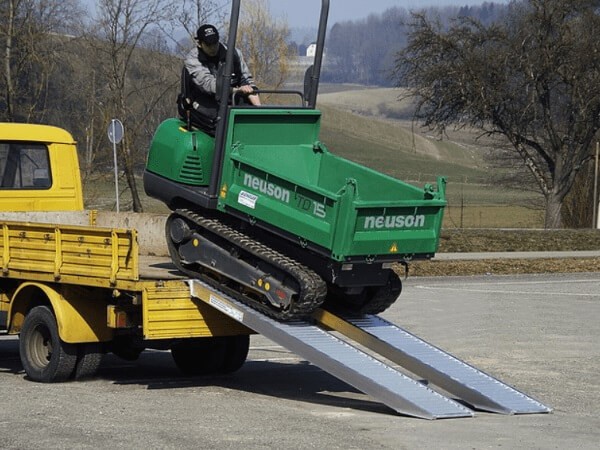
x=339, y=358
x=475, y=387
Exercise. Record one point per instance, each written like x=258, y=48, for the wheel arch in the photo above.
x=79, y=320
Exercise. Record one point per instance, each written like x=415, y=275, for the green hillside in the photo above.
x=354, y=126
x=393, y=149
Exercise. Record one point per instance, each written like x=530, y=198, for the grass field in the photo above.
x=354, y=128
x=492, y=216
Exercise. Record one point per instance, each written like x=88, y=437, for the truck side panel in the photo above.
x=89, y=274
x=73, y=254
x=170, y=312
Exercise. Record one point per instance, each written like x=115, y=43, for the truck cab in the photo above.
x=39, y=169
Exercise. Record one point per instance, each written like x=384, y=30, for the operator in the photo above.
x=202, y=65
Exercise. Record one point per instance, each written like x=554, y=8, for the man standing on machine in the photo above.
x=200, y=77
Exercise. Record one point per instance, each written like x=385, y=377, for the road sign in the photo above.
x=115, y=131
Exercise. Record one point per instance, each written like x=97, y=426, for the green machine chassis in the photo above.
x=266, y=205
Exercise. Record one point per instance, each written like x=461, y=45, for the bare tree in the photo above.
x=363, y=51
x=32, y=34
x=532, y=78
x=578, y=209
x=10, y=25
x=194, y=13
x=263, y=42
x=122, y=26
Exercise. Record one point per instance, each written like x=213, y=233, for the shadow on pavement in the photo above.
x=298, y=381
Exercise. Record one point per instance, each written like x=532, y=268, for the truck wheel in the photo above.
x=203, y=356
x=45, y=357
x=236, y=353
x=89, y=358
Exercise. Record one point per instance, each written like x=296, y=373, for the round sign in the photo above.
x=115, y=131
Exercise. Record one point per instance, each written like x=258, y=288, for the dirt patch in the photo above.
x=502, y=267
x=518, y=240
x=523, y=240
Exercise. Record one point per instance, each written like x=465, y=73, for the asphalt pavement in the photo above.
x=539, y=333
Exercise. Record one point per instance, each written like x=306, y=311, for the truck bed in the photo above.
x=158, y=268
x=283, y=175
x=98, y=258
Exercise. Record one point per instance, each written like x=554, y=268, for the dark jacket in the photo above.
x=204, y=69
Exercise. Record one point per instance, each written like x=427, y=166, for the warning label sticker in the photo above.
x=247, y=199
x=226, y=308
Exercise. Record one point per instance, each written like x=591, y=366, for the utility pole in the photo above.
x=115, y=135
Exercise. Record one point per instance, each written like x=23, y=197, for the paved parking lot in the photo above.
x=537, y=333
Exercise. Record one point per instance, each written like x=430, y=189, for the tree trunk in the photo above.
x=130, y=177
x=553, y=217
x=135, y=196
x=8, y=56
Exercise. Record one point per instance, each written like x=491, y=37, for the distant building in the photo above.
x=305, y=58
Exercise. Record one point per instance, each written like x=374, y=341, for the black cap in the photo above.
x=208, y=34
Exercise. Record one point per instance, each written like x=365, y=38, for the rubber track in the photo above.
x=312, y=287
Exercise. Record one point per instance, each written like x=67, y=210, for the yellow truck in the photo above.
x=76, y=284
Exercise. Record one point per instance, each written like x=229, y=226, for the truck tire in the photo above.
x=45, y=357
x=205, y=356
x=236, y=353
x=89, y=358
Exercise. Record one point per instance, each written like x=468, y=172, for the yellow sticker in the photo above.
x=394, y=248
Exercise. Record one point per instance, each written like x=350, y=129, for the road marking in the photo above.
x=500, y=283
x=492, y=291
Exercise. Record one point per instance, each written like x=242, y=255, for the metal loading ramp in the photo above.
x=456, y=377
x=319, y=346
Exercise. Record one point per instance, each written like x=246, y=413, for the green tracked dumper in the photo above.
x=265, y=211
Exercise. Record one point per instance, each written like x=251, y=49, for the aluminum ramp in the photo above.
x=440, y=368
x=344, y=361
x=384, y=383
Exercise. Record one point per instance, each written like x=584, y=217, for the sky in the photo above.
x=305, y=13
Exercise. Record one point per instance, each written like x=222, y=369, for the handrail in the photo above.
x=215, y=176
x=270, y=91
x=316, y=72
